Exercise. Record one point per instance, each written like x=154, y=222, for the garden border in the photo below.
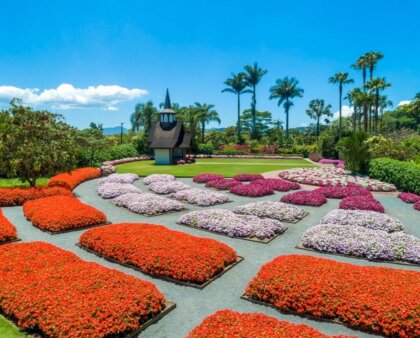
x=11, y=241
x=164, y=278
x=295, y=222
x=69, y=230
x=201, y=206
x=163, y=213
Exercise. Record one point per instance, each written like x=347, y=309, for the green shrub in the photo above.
x=206, y=149
x=230, y=152
x=404, y=175
x=327, y=145
x=305, y=150
x=123, y=151
x=354, y=151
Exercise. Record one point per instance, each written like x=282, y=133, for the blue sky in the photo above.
x=192, y=47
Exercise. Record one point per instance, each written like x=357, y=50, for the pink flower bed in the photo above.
x=278, y=184
x=339, y=191
x=252, y=190
x=417, y=205
x=108, y=167
x=311, y=198
x=365, y=202
x=409, y=197
x=267, y=157
x=248, y=177
x=204, y=178
x=223, y=184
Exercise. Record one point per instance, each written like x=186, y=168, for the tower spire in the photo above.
x=167, y=100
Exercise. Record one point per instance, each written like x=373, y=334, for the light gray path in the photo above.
x=224, y=293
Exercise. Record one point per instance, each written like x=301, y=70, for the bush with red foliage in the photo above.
x=59, y=213
x=315, y=156
x=228, y=323
x=248, y=177
x=53, y=291
x=363, y=202
x=7, y=229
x=252, y=190
x=278, y=184
x=375, y=299
x=73, y=179
x=409, y=197
x=223, y=184
x=340, y=191
x=204, y=178
x=18, y=196
x=417, y=205
x=311, y=198
x=161, y=252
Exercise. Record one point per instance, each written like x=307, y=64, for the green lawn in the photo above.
x=9, y=330
x=225, y=166
x=16, y=183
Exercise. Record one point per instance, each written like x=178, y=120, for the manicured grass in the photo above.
x=9, y=330
x=225, y=166
x=17, y=183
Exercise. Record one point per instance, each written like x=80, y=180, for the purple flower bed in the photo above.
x=365, y=202
x=112, y=190
x=311, y=198
x=409, y=197
x=252, y=190
x=165, y=188
x=200, y=197
x=204, y=178
x=417, y=205
x=223, y=184
x=337, y=163
x=119, y=178
x=248, y=177
x=339, y=191
x=278, y=184
x=158, y=178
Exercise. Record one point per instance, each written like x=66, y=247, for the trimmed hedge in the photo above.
x=404, y=175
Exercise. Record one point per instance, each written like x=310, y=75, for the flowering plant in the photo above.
x=340, y=191
x=252, y=190
x=200, y=197
x=364, y=202
x=119, y=178
x=7, y=229
x=417, y=205
x=73, y=179
x=409, y=197
x=267, y=157
x=222, y=184
x=337, y=163
x=165, y=188
x=158, y=178
x=248, y=177
x=278, y=184
x=18, y=196
x=108, y=167
x=112, y=190
x=204, y=178
x=311, y=198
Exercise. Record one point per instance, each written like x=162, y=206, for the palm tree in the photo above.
x=361, y=64
x=383, y=104
x=206, y=114
x=285, y=90
x=375, y=86
x=352, y=97
x=316, y=110
x=236, y=85
x=252, y=77
x=364, y=101
x=341, y=79
x=372, y=59
x=143, y=116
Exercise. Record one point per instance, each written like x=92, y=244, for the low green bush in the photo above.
x=405, y=175
x=206, y=149
x=123, y=151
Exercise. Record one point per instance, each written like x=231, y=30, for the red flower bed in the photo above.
x=161, y=252
x=278, y=184
x=18, y=196
x=252, y=190
x=204, y=178
x=60, y=213
x=7, y=229
x=311, y=198
x=376, y=299
x=365, y=202
x=223, y=184
x=73, y=179
x=417, y=205
x=228, y=323
x=409, y=197
x=248, y=177
x=340, y=191
x=51, y=290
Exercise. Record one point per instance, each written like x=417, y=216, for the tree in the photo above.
x=143, y=117
x=342, y=79
x=316, y=110
x=376, y=86
x=352, y=97
x=91, y=141
x=236, y=85
x=361, y=64
x=253, y=76
x=372, y=59
x=284, y=91
x=262, y=120
x=383, y=104
x=35, y=144
x=206, y=114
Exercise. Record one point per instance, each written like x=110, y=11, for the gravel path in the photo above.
x=224, y=293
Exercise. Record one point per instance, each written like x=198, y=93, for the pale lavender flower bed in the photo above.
x=165, y=188
x=113, y=190
x=119, y=178
x=233, y=225
x=158, y=178
x=200, y=197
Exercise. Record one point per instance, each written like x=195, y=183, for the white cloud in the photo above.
x=66, y=96
x=346, y=111
x=402, y=103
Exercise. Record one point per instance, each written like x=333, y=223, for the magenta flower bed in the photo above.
x=248, y=177
x=204, y=178
x=311, y=198
x=409, y=197
x=223, y=184
x=417, y=205
x=339, y=191
x=278, y=184
x=252, y=190
x=365, y=202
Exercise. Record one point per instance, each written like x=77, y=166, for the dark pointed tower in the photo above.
x=167, y=115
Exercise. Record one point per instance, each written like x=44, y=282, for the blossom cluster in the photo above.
x=119, y=178
x=108, y=167
x=248, y=177
x=337, y=163
x=160, y=251
x=304, y=197
x=204, y=178
x=333, y=176
x=269, y=209
x=267, y=157
x=73, y=179
x=165, y=188
x=278, y=184
x=227, y=323
x=53, y=290
x=18, y=196
x=113, y=190
x=417, y=205
x=200, y=197
x=147, y=204
x=409, y=197
x=252, y=190
x=158, y=178
x=59, y=213
x=341, y=191
x=363, y=202
x=7, y=229
x=349, y=293
x=222, y=184
x=231, y=224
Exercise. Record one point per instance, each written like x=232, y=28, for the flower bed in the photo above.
x=200, y=197
x=158, y=178
x=60, y=213
x=113, y=190
x=222, y=184
x=275, y=210
x=278, y=184
x=73, y=179
x=363, y=242
x=339, y=191
x=363, y=218
x=267, y=157
x=252, y=190
x=108, y=167
x=7, y=229
x=231, y=224
x=364, y=202
x=408, y=197
x=165, y=188
x=18, y=196
x=333, y=176
x=147, y=204
x=417, y=205
x=376, y=299
x=119, y=178
x=311, y=198
x=161, y=252
x=248, y=177
x=337, y=163
x=204, y=178
x=228, y=323
x=53, y=291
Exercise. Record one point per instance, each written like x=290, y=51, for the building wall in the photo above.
x=163, y=156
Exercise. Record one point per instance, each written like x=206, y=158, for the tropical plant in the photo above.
x=262, y=122
x=372, y=59
x=206, y=114
x=376, y=86
x=361, y=64
x=352, y=97
x=143, y=116
x=354, y=151
x=316, y=110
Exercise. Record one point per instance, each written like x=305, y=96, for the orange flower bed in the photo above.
x=18, y=196
x=161, y=252
x=52, y=291
x=375, y=299
x=59, y=213
x=7, y=229
x=228, y=323
x=73, y=179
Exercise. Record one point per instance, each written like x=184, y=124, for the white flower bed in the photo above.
x=233, y=225
x=368, y=219
x=276, y=210
x=165, y=188
x=112, y=190
x=119, y=178
x=200, y=197
x=158, y=178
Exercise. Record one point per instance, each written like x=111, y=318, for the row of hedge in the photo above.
x=404, y=175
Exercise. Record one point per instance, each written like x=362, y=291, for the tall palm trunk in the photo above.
x=376, y=110
x=254, y=113
x=238, y=128
x=340, y=89
x=364, y=78
x=203, y=130
x=287, y=117
x=365, y=117
x=317, y=128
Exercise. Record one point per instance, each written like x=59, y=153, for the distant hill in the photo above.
x=114, y=131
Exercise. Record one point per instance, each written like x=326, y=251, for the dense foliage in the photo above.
x=17, y=196
x=7, y=229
